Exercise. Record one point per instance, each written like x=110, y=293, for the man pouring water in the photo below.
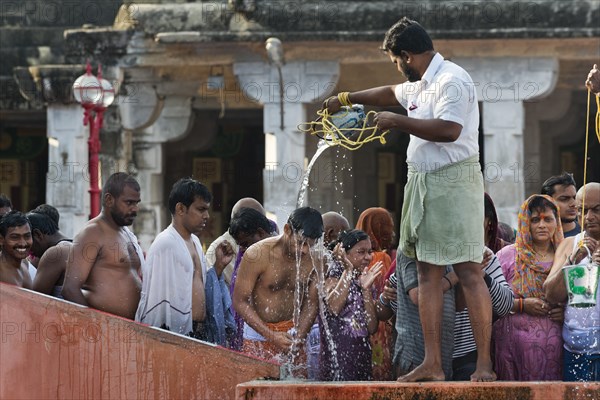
x=581, y=329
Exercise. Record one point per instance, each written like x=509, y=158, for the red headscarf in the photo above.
x=377, y=222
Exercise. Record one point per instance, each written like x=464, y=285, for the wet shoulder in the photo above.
x=262, y=250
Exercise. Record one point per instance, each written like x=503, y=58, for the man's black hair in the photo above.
x=42, y=222
x=115, y=184
x=185, y=191
x=407, y=35
x=5, y=201
x=248, y=221
x=307, y=221
x=566, y=179
x=12, y=219
x=48, y=210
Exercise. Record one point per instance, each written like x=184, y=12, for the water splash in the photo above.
x=321, y=147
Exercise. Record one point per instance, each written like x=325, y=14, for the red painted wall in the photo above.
x=52, y=349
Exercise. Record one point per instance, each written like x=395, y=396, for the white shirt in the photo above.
x=446, y=91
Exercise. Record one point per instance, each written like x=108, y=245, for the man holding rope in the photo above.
x=442, y=214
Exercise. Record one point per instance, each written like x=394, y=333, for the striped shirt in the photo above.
x=409, y=351
x=502, y=302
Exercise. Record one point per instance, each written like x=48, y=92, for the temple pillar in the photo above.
x=503, y=85
x=285, y=145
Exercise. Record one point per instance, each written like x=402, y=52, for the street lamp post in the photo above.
x=94, y=95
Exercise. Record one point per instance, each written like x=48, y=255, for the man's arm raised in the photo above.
x=82, y=258
x=382, y=96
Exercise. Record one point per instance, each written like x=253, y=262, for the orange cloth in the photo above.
x=381, y=341
x=268, y=351
x=379, y=225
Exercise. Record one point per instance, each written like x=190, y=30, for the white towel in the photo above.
x=166, y=299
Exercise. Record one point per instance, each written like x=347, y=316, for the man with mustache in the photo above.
x=442, y=213
x=105, y=261
x=581, y=328
x=15, y=241
x=562, y=188
x=176, y=276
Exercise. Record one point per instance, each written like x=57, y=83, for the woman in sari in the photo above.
x=379, y=225
x=528, y=341
x=350, y=314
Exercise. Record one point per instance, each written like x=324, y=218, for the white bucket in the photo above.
x=582, y=283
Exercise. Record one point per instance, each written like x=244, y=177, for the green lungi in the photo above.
x=442, y=214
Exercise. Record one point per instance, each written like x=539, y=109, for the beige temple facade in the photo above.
x=199, y=97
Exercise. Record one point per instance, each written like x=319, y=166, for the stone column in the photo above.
x=502, y=86
x=303, y=82
x=154, y=118
x=67, y=181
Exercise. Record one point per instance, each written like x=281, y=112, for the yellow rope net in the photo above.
x=351, y=138
x=585, y=159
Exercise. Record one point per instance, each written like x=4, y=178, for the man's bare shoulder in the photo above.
x=58, y=253
x=266, y=248
x=565, y=246
x=98, y=231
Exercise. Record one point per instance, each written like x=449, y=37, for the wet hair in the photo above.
x=48, y=210
x=42, y=222
x=248, y=221
x=185, y=191
x=115, y=184
x=490, y=212
x=12, y=219
x=540, y=204
x=350, y=238
x=566, y=179
x=5, y=201
x=307, y=221
x=407, y=35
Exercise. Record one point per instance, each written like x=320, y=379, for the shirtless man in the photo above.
x=581, y=328
x=104, y=265
x=15, y=240
x=176, y=264
x=270, y=273
x=51, y=248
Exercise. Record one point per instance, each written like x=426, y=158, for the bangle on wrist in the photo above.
x=521, y=305
x=449, y=282
x=388, y=305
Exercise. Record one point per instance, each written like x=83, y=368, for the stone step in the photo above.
x=412, y=391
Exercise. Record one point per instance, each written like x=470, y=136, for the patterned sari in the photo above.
x=527, y=348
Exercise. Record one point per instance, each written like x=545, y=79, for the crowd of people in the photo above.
x=462, y=297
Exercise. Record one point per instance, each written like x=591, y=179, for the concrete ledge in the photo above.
x=418, y=391
x=52, y=349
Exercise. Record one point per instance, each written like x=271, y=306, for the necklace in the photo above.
x=539, y=256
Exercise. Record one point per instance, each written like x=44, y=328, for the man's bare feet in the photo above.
x=483, y=375
x=423, y=373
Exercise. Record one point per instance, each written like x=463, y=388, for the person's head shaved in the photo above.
x=247, y=202
x=588, y=188
x=333, y=224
